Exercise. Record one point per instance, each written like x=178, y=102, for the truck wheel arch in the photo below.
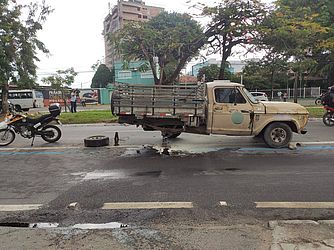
x=290, y=123
x=277, y=134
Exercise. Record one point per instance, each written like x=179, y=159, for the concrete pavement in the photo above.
x=278, y=235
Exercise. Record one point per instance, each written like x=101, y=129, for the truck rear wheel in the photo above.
x=170, y=135
x=277, y=135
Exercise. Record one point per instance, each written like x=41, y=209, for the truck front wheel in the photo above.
x=277, y=135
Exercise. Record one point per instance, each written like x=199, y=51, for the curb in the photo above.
x=274, y=223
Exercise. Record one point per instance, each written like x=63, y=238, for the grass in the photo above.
x=82, y=117
x=316, y=112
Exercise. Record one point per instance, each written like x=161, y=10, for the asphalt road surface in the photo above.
x=202, y=179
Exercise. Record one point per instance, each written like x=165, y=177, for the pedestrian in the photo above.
x=34, y=105
x=280, y=94
x=285, y=96
x=73, y=102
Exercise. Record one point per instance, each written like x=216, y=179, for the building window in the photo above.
x=124, y=75
x=147, y=74
x=145, y=17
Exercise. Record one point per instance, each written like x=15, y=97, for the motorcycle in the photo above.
x=328, y=117
x=29, y=127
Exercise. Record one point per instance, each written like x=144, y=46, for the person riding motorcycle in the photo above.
x=331, y=94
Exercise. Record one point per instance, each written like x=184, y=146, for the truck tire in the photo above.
x=277, y=135
x=174, y=135
x=96, y=141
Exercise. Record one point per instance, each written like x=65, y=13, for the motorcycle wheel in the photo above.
x=7, y=136
x=317, y=101
x=51, y=133
x=328, y=119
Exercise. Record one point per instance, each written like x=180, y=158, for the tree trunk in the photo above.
x=5, y=106
x=222, y=70
x=178, y=69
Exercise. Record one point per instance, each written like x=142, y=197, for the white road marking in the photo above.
x=223, y=203
x=25, y=207
x=308, y=205
x=147, y=205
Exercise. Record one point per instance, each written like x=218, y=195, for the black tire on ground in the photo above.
x=277, y=135
x=317, y=101
x=328, y=119
x=171, y=135
x=96, y=141
x=7, y=136
x=52, y=133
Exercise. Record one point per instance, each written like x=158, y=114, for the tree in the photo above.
x=167, y=41
x=211, y=73
x=268, y=72
x=295, y=30
x=63, y=79
x=102, y=77
x=233, y=23
x=19, y=44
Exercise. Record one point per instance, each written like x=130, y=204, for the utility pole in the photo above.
x=295, y=88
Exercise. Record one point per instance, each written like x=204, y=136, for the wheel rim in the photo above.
x=5, y=137
x=329, y=119
x=51, y=133
x=278, y=135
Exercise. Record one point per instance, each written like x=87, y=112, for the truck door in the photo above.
x=232, y=113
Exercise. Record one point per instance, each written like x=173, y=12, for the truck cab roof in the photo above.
x=223, y=83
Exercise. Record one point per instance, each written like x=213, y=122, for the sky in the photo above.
x=73, y=34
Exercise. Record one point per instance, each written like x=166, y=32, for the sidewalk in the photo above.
x=282, y=235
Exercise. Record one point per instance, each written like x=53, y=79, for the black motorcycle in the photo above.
x=30, y=127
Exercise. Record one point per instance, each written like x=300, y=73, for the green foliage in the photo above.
x=211, y=73
x=168, y=40
x=269, y=72
x=102, y=77
x=233, y=23
x=19, y=44
x=63, y=78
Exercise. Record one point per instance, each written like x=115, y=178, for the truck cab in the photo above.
x=232, y=110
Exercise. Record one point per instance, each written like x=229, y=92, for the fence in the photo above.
x=312, y=92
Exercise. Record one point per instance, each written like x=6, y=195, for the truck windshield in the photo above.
x=250, y=96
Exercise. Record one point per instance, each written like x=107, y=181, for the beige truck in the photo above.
x=219, y=107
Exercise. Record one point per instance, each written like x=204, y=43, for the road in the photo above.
x=205, y=180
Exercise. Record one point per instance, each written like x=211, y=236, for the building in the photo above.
x=120, y=14
x=132, y=74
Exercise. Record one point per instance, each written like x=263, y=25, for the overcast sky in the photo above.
x=73, y=34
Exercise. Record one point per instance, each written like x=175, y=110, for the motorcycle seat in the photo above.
x=39, y=119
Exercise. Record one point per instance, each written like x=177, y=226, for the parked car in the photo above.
x=88, y=98
x=260, y=96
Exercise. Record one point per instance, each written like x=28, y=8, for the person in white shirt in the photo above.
x=73, y=102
